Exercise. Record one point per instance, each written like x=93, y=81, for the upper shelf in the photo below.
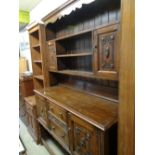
x=36, y=46
x=35, y=33
x=39, y=77
x=69, y=26
x=89, y=30
x=74, y=55
x=37, y=61
x=73, y=35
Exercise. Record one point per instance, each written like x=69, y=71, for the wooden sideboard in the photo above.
x=81, y=123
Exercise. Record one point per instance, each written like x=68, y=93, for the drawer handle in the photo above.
x=53, y=127
x=61, y=114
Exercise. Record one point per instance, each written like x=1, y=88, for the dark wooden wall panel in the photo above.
x=126, y=143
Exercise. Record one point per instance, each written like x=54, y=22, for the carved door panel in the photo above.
x=51, y=55
x=106, y=52
x=42, y=110
x=82, y=136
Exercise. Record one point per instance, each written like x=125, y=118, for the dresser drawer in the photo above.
x=58, y=112
x=59, y=132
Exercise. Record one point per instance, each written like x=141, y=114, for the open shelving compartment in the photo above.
x=75, y=53
x=74, y=41
x=72, y=48
x=34, y=37
x=50, y=143
x=36, y=55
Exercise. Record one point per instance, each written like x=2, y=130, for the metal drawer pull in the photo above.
x=53, y=127
x=61, y=114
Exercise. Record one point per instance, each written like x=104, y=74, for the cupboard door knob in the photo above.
x=103, y=38
x=112, y=37
x=49, y=43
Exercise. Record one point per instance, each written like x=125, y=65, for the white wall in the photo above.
x=25, y=47
x=43, y=8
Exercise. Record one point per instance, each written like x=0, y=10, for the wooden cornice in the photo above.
x=60, y=8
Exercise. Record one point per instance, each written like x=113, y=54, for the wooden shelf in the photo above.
x=75, y=73
x=82, y=32
x=73, y=35
x=37, y=61
x=39, y=77
x=85, y=74
x=36, y=46
x=74, y=55
x=35, y=33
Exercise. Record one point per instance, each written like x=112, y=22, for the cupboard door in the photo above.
x=41, y=110
x=83, y=137
x=51, y=55
x=106, y=52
